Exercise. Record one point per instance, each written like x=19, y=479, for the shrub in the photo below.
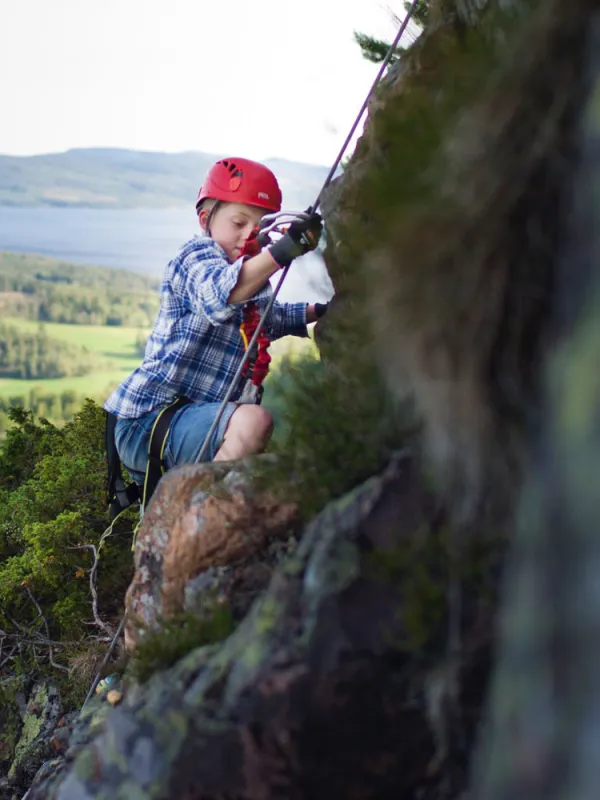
x=52, y=507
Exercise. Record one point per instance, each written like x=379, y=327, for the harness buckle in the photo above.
x=251, y=393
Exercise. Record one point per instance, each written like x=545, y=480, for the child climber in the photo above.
x=196, y=346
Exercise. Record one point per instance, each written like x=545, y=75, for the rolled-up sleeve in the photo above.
x=287, y=319
x=209, y=279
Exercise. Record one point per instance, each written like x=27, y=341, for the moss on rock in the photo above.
x=177, y=636
x=43, y=711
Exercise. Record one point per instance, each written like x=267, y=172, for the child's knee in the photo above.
x=251, y=420
x=263, y=421
x=251, y=425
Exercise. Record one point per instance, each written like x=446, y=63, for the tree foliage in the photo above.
x=49, y=290
x=52, y=513
x=375, y=50
x=57, y=407
x=28, y=355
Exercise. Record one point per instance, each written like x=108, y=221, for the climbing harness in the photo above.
x=257, y=363
x=120, y=495
x=254, y=365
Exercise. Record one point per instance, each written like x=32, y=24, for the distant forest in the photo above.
x=47, y=290
x=34, y=355
x=56, y=406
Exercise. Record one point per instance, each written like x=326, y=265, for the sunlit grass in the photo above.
x=106, y=340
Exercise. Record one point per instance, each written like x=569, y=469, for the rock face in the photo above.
x=458, y=300
x=32, y=736
x=203, y=517
x=542, y=740
x=13, y=700
x=326, y=663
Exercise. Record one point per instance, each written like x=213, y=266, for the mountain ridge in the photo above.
x=127, y=178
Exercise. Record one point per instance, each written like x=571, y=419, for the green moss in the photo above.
x=177, y=636
x=337, y=424
x=412, y=160
x=336, y=429
x=418, y=569
x=267, y=616
x=423, y=568
x=32, y=726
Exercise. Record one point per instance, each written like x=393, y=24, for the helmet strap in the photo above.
x=211, y=215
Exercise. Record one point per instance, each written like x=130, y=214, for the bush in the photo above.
x=52, y=506
x=333, y=429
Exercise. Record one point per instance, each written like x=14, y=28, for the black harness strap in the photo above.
x=158, y=438
x=121, y=495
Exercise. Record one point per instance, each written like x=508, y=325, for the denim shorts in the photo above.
x=186, y=436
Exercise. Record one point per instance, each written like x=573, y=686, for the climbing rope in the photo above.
x=384, y=63
x=107, y=655
x=274, y=218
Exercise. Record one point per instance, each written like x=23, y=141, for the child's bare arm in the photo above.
x=253, y=275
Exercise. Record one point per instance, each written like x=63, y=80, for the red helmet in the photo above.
x=239, y=180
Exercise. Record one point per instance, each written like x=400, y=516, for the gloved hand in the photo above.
x=321, y=309
x=301, y=237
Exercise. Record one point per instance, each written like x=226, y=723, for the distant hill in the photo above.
x=115, y=178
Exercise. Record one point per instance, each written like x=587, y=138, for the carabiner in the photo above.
x=272, y=223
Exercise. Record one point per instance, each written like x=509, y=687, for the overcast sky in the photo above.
x=250, y=78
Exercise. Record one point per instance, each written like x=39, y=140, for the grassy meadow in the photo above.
x=115, y=345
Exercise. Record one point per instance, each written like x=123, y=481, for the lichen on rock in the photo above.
x=43, y=711
x=12, y=709
x=278, y=686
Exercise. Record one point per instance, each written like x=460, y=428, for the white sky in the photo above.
x=257, y=79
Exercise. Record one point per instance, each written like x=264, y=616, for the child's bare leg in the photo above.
x=249, y=430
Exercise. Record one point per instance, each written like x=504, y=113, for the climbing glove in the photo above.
x=321, y=309
x=302, y=236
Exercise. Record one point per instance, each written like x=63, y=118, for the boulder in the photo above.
x=203, y=529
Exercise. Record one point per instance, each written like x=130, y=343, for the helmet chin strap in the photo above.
x=211, y=215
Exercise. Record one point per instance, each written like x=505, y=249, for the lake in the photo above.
x=142, y=240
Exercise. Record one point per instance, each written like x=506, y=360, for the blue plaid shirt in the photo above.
x=195, y=346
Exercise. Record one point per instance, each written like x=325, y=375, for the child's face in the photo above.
x=231, y=225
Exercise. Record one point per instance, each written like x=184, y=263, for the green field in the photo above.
x=116, y=346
